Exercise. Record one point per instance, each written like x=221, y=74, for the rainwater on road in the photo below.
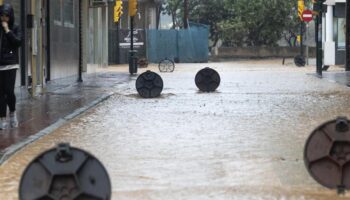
x=243, y=142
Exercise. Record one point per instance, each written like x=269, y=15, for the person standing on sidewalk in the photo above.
x=10, y=41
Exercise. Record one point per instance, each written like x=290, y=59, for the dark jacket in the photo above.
x=11, y=41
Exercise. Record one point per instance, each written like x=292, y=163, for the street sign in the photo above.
x=307, y=16
x=125, y=38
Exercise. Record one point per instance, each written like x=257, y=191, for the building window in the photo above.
x=57, y=14
x=341, y=33
x=68, y=13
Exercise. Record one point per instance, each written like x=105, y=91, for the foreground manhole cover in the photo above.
x=65, y=173
x=327, y=154
x=166, y=65
x=207, y=80
x=149, y=85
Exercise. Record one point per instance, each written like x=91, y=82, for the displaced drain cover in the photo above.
x=166, y=65
x=327, y=154
x=149, y=85
x=65, y=173
x=299, y=61
x=207, y=80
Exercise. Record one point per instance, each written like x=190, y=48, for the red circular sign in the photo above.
x=307, y=16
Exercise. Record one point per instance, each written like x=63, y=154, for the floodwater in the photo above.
x=243, y=142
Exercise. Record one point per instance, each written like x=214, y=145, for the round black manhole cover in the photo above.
x=207, y=80
x=327, y=154
x=65, y=173
x=149, y=85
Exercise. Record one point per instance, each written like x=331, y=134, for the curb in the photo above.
x=8, y=152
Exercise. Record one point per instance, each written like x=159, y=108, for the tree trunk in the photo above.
x=159, y=10
x=186, y=14
x=173, y=15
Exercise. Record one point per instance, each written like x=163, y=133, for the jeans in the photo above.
x=7, y=93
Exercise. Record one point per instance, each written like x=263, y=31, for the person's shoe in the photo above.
x=13, y=120
x=3, y=124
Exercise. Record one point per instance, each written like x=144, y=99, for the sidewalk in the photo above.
x=62, y=100
x=340, y=77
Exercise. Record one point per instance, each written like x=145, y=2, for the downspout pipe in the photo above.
x=80, y=72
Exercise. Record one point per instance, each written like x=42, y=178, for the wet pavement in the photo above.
x=342, y=78
x=243, y=142
x=61, y=99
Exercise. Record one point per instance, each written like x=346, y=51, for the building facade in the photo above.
x=333, y=32
x=63, y=39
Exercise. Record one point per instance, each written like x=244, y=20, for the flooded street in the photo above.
x=243, y=142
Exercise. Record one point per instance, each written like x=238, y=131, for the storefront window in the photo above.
x=341, y=33
x=68, y=11
x=57, y=17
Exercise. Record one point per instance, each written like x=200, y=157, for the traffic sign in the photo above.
x=307, y=16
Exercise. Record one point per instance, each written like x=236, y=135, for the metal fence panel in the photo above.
x=161, y=44
x=189, y=45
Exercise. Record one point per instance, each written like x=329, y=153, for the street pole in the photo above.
x=24, y=49
x=80, y=71
x=132, y=33
x=301, y=39
x=347, y=62
x=307, y=44
x=118, y=44
x=131, y=53
x=319, y=56
x=118, y=12
x=318, y=10
x=299, y=60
